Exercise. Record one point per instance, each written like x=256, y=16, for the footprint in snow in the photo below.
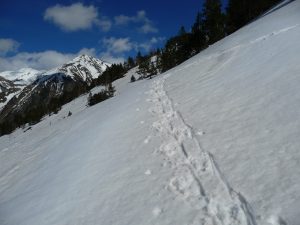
x=146, y=141
x=276, y=220
x=200, y=133
x=156, y=211
x=5, y=150
x=148, y=172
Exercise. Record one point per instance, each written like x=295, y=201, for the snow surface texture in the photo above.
x=213, y=141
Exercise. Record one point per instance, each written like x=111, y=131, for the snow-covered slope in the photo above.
x=212, y=141
x=22, y=77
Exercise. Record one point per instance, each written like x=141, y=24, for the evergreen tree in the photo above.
x=144, y=66
x=112, y=73
x=198, y=40
x=241, y=12
x=152, y=70
x=213, y=21
x=181, y=31
x=138, y=58
x=132, y=79
x=238, y=14
x=177, y=50
x=130, y=63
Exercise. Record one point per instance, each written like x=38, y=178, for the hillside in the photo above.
x=215, y=140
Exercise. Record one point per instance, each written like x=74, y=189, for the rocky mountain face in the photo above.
x=7, y=87
x=49, y=91
x=12, y=82
x=83, y=68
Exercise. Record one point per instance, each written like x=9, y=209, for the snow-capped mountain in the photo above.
x=12, y=82
x=82, y=68
x=50, y=89
x=21, y=77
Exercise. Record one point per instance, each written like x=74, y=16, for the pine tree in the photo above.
x=181, y=31
x=138, y=58
x=132, y=79
x=241, y=12
x=130, y=63
x=152, y=70
x=198, y=40
x=144, y=66
x=238, y=14
x=213, y=21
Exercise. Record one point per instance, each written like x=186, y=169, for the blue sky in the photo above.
x=46, y=33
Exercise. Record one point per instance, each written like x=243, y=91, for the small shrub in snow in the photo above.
x=132, y=79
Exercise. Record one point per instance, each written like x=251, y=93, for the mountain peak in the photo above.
x=83, y=57
x=83, y=67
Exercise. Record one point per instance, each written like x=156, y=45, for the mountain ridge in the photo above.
x=48, y=91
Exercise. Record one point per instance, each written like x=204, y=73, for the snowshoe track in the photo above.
x=197, y=179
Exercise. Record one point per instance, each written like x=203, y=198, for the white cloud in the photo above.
x=40, y=60
x=148, y=28
x=149, y=45
x=155, y=40
x=108, y=57
x=140, y=17
x=114, y=49
x=76, y=17
x=117, y=45
x=8, y=45
x=124, y=20
x=50, y=59
x=87, y=51
x=105, y=24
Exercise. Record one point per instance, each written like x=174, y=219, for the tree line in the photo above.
x=210, y=25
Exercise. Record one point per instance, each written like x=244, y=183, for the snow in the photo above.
x=23, y=76
x=85, y=60
x=8, y=97
x=93, y=67
x=212, y=141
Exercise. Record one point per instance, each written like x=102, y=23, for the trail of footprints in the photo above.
x=197, y=179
